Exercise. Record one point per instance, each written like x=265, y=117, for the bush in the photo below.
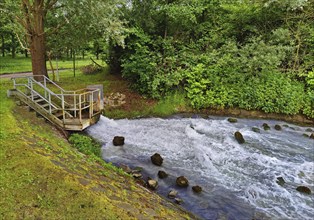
x=85, y=144
x=152, y=72
x=245, y=76
x=308, y=109
x=90, y=69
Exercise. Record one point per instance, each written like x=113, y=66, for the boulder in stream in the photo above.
x=255, y=129
x=172, y=194
x=156, y=159
x=197, y=189
x=137, y=175
x=312, y=136
x=182, y=181
x=304, y=189
x=162, y=174
x=152, y=184
x=118, y=141
x=239, y=137
x=309, y=130
x=305, y=135
x=178, y=201
x=266, y=126
x=278, y=127
x=280, y=181
x=232, y=120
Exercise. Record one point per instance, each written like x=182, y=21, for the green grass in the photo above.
x=43, y=177
x=23, y=64
x=169, y=105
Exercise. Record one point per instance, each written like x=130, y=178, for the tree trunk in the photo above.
x=37, y=44
x=2, y=47
x=67, y=53
x=13, y=45
x=73, y=52
x=38, y=52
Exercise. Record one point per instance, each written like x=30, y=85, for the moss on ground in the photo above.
x=43, y=177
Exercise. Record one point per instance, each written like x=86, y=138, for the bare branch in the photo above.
x=21, y=43
x=27, y=4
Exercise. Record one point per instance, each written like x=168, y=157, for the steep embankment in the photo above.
x=43, y=177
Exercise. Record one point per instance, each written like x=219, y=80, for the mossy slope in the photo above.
x=43, y=177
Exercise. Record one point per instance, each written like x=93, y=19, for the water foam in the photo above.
x=206, y=152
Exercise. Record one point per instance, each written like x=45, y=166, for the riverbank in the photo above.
x=63, y=183
x=43, y=176
x=241, y=113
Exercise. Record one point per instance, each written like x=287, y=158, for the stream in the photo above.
x=238, y=180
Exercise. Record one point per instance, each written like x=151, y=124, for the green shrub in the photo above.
x=269, y=92
x=245, y=76
x=170, y=104
x=308, y=109
x=85, y=144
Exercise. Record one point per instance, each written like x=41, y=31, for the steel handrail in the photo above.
x=87, y=97
x=55, y=107
x=63, y=90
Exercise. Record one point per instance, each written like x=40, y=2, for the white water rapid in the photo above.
x=238, y=180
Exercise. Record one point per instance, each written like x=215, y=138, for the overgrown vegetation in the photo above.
x=247, y=54
x=85, y=144
x=90, y=69
x=42, y=176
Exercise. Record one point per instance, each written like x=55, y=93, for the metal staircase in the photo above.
x=69, y=110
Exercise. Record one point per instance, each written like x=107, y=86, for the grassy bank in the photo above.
x=23, y=64
x=135, y=106
x=43, y=177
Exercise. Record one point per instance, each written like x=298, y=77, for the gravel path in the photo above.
x=11, y=75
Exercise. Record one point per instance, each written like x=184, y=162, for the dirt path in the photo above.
x=12, y=75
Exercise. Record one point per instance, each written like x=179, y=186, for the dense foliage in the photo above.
x=247, y=54
x=85, y=144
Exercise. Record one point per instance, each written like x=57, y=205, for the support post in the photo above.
x=80, y=107
x=90, y=105
x=32, y=94
x=74, y=104
x=49, y=103
x=62, y=104
x=45, y=84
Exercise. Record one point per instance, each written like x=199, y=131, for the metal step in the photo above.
x=39, y=100
x=45, y=105
x=35, y=97
x=58, y=114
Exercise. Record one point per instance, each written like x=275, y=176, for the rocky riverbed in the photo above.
x=239, y=179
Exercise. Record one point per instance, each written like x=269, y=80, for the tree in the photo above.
x=5, y=31
x=41, y=21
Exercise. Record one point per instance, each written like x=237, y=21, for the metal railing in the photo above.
x=78, y=104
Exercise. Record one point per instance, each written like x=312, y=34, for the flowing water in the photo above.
x=238, y=180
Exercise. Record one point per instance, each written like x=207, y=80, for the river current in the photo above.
x=238, y=180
